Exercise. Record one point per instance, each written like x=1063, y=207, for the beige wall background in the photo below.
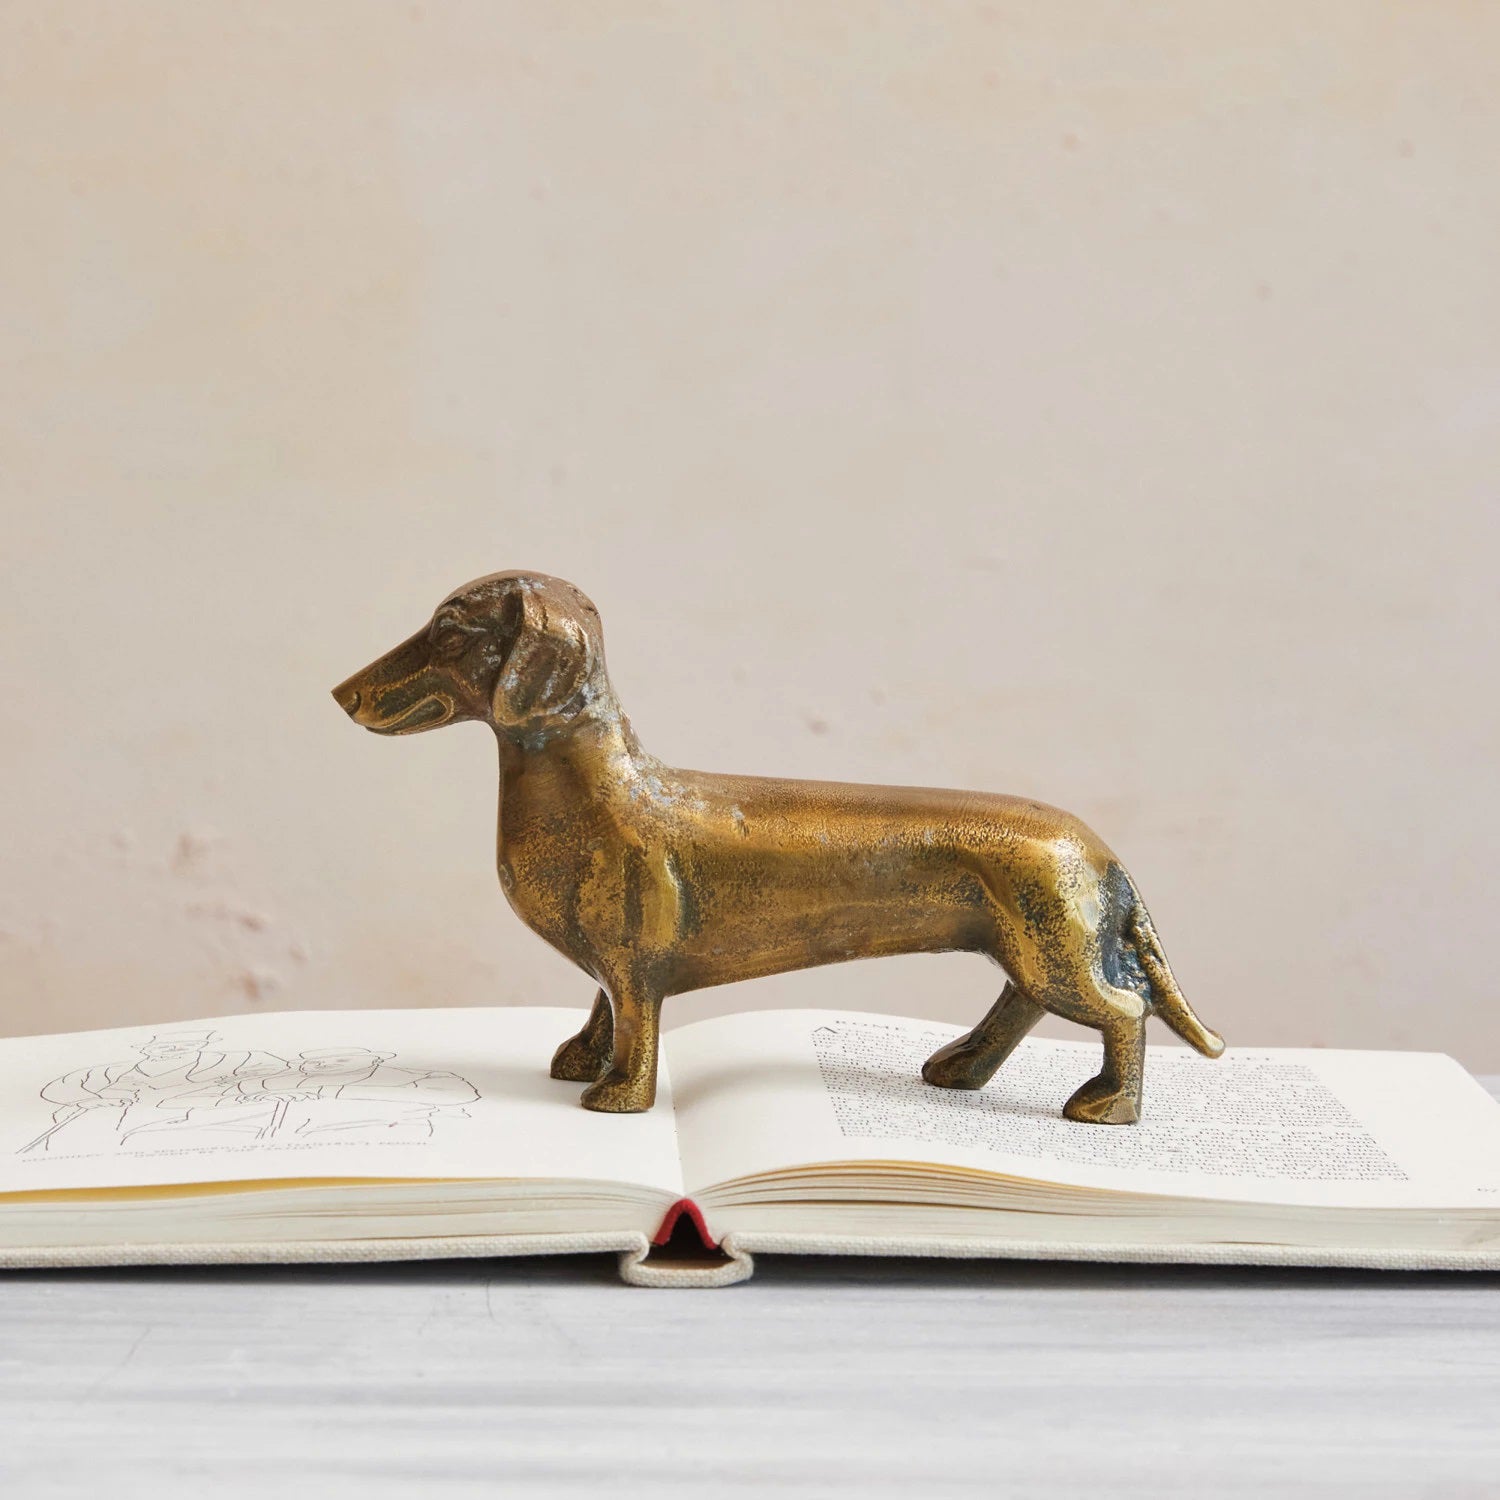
x=1095, y=402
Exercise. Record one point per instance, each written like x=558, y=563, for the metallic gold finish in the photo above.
x=656, y=881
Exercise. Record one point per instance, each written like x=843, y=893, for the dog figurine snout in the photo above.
x=657, y=881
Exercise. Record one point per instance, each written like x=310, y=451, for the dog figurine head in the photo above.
x=521, y=651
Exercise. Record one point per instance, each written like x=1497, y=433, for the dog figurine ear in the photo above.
x=547, y=660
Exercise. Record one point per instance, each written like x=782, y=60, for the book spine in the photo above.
x=682, y=1253
x=684, y=1209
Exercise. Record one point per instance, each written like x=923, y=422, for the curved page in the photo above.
x=316, y=1094
x=763, y=1092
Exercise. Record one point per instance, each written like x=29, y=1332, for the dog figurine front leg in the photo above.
x=582, y=1058
x=628, y=1085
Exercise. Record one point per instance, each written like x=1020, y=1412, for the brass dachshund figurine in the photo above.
x=656, y=881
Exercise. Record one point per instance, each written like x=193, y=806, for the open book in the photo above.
x=370, y=1135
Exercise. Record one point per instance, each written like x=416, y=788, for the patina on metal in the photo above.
x=656, y=881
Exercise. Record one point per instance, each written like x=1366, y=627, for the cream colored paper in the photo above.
x=761, y=1092
x=316, y=1094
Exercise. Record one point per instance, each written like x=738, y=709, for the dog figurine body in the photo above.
x=657, y=881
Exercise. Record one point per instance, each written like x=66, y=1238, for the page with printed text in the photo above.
x=761, y=1092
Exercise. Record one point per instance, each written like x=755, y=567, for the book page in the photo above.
x=767, y=1091
x=349, y=1093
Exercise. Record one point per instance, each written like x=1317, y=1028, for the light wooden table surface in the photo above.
x=860, y=1378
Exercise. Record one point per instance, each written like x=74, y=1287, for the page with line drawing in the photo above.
x=349, y=1093
x=762, y=1092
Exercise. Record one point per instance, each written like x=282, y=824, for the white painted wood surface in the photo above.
x=858, y=1378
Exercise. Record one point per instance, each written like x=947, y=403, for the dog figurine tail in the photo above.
x=1171, y=1004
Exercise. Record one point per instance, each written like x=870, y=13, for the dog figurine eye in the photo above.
x=449, y=642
